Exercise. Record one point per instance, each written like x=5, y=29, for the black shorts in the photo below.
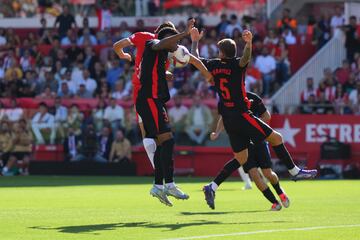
x=243, y=127
x=259, y=157
x=154, y=116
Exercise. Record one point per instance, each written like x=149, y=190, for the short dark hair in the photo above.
x=167, y=31
x=166, y=24
x=43, y=104
x=228, y=47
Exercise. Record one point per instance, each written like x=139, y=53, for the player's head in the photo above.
x=166, y=24
x=227, y=48
x=167, y=32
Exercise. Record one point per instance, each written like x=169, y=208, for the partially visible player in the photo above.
x=138, y=41
x=152, y=96
x=240, y=124
x=259, y=157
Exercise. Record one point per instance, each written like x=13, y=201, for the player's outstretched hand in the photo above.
x=214, y=136
x=195, y=35
x=190, y=25
x=247, y=36
x=169, y=76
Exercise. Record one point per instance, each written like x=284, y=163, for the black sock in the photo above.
x=269, y=195
x=284, y=156
x=227, y=170
x=158, y=173
x=277, y=188
x=167, y=161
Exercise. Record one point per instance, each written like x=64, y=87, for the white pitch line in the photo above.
x=265, y=231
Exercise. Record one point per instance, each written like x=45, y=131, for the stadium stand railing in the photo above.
x=330, y=56
x=271, y=6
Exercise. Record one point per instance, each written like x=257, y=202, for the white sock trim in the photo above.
x=214, y=186
x=294, y=171
x=150, y=148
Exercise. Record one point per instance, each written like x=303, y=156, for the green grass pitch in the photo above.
x=52, y=208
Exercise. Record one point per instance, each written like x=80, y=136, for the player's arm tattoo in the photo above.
x=246, y=57
x=195, y=48
x=166, y=43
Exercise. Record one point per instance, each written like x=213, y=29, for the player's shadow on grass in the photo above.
x=96, y=228
x=220, y=213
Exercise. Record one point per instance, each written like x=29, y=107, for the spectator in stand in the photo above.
x=20, y=154
x=87, y=38
x=309, y=106
x=187, y=91
x=27, y=62
x=14, y=113
x=65, y=91
x=90, y=84
x=44, y=33
x=61, y=113
x=77, y=76
x=309, y=91
x=352, y=42
x=3, y=40
x=90, y=59
x=26, y=87
x=325, y=30
x=65, y=77
x=120, y=93
x=177, y=116
x=50, y=82
x=282, y=62
x=75, y=119
x=120, y=149
x=286, y=21
x=105, y=142
x=73, y=52
x=2, y=113
x=98, y=115
x=98, y=73
x=115, y=115
x=324, y=106
x=266, y=64
x=209, y=48
x=337, y=20
x=65, y=21
x=253, y=77
x=234, y=24
x=89, y=150
x=343, y=73
x=198, y=121
x=72, y=145
x=354, y=95
x=341, y=101
x=114, y=72
x=289, y=37
x=327, y=86
x=43, y=122
x=47, y=94
x=271, y=40
x=221, y=27
x=82, y=92
x=68, y=39
x=350, y=84
x=5, y=142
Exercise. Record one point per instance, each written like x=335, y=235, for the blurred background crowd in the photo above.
x=81, y=65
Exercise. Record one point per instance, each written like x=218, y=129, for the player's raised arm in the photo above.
x=119, y=48
x=195, y=38
x=246, y=57
x=168, y=42
x=266, y=116
x=201, y=67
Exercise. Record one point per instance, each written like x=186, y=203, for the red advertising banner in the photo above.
x=307, y=132
x=82, y=2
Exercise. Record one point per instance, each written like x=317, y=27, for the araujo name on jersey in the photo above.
x=221, y=71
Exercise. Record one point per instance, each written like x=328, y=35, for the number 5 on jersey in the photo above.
x=225, y=92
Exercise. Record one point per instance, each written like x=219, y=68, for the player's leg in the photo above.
x=9, y=165
x=149, y=122
x=166, y=140
x=260, y=131
x=274, y=180
x=239, y=145
x=276, y=141
x=263, y=187
x=245, y=177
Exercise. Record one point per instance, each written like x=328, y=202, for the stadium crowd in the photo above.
x=74, y=70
